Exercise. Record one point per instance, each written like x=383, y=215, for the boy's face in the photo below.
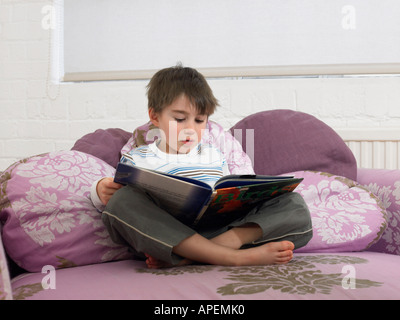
x=181, y=124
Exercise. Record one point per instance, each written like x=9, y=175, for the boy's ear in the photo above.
x=153, y=117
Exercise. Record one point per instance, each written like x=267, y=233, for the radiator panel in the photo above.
x=376, y=154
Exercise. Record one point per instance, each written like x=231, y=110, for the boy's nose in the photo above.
x=189, y=128
x=189, y=131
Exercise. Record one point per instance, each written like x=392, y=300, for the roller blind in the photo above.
x=131, y=39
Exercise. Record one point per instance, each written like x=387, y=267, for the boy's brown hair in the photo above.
x=170, y=83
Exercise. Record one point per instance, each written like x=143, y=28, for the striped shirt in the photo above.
x=204, y=162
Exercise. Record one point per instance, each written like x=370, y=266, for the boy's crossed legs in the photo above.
x=133, y=218
x=224, y=249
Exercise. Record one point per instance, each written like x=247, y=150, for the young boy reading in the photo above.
x=180, y=102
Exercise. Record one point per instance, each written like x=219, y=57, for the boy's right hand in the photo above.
x=106, y=187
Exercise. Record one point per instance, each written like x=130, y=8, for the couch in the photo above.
x=54, y=245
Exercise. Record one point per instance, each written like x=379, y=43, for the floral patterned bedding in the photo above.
x=385, y=184
x=352, y=275
x=48, y=218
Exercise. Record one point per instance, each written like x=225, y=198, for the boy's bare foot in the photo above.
x=269, y=253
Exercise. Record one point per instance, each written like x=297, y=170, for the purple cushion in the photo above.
x=288, y=141
x=104, y=144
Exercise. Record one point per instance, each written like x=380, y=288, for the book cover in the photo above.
x=196, y=203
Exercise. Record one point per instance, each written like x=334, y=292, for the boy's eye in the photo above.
x=183, y=119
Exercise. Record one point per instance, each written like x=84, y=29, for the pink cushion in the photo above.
x=5, y=284
x=47, y=216
x=287, y=141
x=385, y=184
x=345, y=216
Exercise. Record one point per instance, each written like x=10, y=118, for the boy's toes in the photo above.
x=287, y=245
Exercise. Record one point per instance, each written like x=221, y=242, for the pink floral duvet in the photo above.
x=357, y=275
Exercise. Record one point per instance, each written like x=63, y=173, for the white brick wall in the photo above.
x=31, y=123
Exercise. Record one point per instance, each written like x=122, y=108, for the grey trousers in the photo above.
x=132, y=218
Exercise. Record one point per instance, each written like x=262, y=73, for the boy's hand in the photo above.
x=106, y=188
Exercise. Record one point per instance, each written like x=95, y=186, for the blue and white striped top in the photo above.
x=204, y=162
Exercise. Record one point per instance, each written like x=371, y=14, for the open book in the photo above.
x=196, y=203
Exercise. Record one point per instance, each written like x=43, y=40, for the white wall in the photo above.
x=32, y=123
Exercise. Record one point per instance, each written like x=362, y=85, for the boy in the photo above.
x=180, y=102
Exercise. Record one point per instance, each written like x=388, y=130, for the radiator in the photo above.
x=377, y=149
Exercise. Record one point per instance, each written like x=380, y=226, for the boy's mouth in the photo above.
x=187, y=141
